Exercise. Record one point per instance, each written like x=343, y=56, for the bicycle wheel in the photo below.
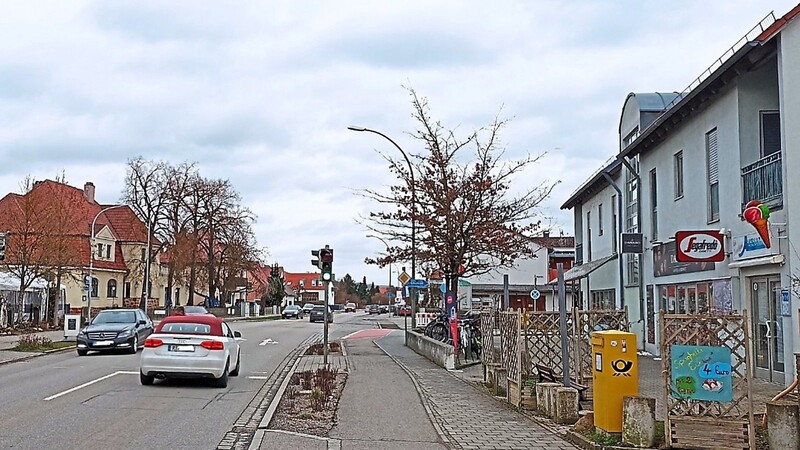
x=440, y=332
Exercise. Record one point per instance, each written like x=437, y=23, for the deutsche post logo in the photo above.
x=621, y=367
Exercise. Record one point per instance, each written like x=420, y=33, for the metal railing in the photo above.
x=763, y=181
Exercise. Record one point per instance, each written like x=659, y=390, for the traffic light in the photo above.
x=315, y=262
x=326, y=263
x=2, y=246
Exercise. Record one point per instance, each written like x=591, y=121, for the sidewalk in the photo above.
x=7, y=342
x=397, y=399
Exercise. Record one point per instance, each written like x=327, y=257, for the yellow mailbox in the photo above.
x=616, y=375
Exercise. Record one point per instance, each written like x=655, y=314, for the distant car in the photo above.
x=350, y=307
x=318, y=314
x=198, y=346
x=189, y=310
x=404, y=310
x=114, y=329
x=374, y=309
x=292, y=311
x=308, y=307
x=384, y=308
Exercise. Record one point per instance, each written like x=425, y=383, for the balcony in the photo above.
x=763, y=181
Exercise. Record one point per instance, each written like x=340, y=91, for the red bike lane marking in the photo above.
x=367, y=334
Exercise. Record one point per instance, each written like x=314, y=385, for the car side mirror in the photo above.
x=237, y=334
x=141, y=322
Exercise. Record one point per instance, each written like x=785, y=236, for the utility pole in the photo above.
x=325, y=332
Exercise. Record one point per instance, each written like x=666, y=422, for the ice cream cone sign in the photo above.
x=756, y=214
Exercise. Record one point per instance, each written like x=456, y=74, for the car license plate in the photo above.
x=103, y=343
x=180, y=348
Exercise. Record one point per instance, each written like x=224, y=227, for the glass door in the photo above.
x=767, y=329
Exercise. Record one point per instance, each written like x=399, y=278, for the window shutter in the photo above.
x=713, y=162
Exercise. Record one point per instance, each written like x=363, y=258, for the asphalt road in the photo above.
x=96, y=402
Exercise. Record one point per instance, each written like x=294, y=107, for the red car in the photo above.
x=404, y=310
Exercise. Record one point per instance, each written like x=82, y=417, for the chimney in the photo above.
x=88, y=191
x=546, y=233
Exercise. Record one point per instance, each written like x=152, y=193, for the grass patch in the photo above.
x=261, y=318
x=39, y=344
x=601, y=438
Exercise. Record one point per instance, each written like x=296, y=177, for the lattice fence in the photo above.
x=509, y=343
x=705, y=424
x=584, y=323
x=541, y=341
x=489, y=349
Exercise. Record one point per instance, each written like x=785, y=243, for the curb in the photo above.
x=273, y=406
x=44, y=353
x=423, y=398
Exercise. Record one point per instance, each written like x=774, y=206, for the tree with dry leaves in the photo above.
x=459, y=196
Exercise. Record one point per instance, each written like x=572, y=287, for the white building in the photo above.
x=732, y=137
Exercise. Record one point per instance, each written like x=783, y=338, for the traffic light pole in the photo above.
x=325, y=333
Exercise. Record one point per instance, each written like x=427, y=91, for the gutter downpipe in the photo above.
x=625, y=162
x=619, y=254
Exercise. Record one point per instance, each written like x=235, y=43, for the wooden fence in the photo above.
x=709, y=424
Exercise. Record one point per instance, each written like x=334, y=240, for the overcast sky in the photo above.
x=261, y=93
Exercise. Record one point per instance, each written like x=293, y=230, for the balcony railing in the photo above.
x=763, y=181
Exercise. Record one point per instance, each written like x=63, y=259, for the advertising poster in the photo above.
x=665, y=262
x=701, y=373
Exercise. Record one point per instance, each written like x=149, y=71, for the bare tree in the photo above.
x=467, y=221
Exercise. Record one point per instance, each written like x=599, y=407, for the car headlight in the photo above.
x=125, y=333
x=82, y=333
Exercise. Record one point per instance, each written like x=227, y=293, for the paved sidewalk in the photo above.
x=469, y=418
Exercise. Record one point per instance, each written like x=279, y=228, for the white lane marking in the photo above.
x=258, y=378
x=89, y=383
x=267, y=341
x=354, y=332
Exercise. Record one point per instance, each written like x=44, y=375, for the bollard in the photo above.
x=639, y=421
x=782, y=424
x=565, y=407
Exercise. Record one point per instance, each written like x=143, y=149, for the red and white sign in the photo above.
x=699, y=246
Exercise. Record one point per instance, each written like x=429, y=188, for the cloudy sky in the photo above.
x=261, y=93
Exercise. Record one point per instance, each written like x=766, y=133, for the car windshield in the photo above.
x=195, y=310
x=291, y=308
x=350, y=304
x=114, y=317
x=308, y=305
x=318, y=309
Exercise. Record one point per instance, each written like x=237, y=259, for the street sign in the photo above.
x=403, y=278
x=535, y=294
x=417, y=284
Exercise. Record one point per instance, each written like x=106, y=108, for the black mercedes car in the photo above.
x=115, y=329
x=318, y=314
x=293, y=311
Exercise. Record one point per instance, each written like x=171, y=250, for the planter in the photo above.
x=528, y=395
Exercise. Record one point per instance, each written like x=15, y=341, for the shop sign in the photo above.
x=699, y=246
x=632, y=243
x=701, y=372
x=665, y=262
x=750, y=246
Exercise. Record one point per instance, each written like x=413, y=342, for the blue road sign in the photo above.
x=417, y=284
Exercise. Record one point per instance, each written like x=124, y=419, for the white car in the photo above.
x=194, y=346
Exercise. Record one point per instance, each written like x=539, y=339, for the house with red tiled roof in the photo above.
x=307, y=285
x=116, y=258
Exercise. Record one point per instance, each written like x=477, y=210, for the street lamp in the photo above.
x=413, y=216
x=91, y=260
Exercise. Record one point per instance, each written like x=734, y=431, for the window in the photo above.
x=303, y=282
x=99, y=250
x=127, y=290
x=108, y=251
x=713, y=175
x=630, y=137
x=632, y=219
x=604, y=299
x=678, y=170
x=588, y=236
x=111, y=289
x=770, y=132
x=600, y=219
x=95, y=287
x=653, y=205
x=614, y=233
x=144, y=254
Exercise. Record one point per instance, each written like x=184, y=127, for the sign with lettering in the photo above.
x=665, y=262
x=701, y=373
x=750, y=246
x=632, y=243
x=699, y=246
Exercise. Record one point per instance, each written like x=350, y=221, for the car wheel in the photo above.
x=134, y=345
x=222, y=382
x=145, y=379
x=82, y=352
x=235, y=371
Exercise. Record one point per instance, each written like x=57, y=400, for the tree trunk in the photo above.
x=55, y=302
x=192, y=276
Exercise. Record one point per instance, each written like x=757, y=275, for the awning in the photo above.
x=585, y=269
x=774, y=259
